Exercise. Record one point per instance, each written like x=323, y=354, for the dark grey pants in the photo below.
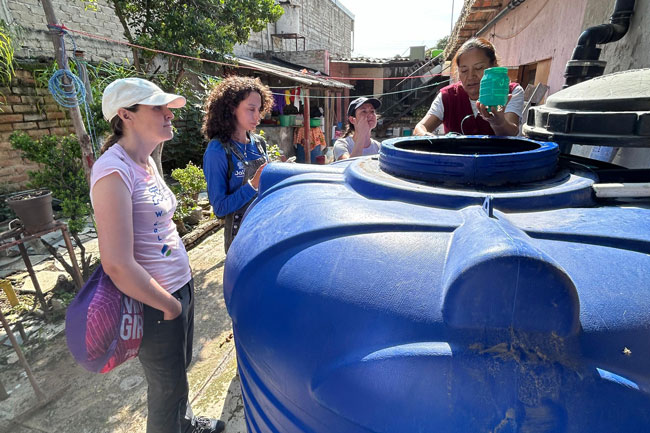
x=165, y=354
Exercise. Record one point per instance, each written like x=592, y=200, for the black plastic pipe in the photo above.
x=585, y=63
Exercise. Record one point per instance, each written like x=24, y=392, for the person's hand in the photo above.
x=174, y=311
x=255, y=181
x=363, y=125
x=495, y=116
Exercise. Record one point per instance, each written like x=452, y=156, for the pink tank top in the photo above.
x=157, y=247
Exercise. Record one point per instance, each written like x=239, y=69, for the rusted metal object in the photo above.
x=20, y=237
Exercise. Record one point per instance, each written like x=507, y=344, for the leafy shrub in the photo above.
x=61, y=172
x=191, y=179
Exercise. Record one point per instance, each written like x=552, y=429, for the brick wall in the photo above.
x=35, y=42
x=33, y=110
x=325, y=26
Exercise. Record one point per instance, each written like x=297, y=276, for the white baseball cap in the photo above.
x=126, y=92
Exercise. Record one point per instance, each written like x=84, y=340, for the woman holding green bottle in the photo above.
x=457, y=106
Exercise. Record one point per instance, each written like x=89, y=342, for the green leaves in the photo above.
x=190, y=178
x=195, y=27
x=61, y=172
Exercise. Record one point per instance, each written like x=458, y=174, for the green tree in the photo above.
x=206, y=29
x=196, y=28
x=442, y=43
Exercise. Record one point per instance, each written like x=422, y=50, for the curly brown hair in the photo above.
x=219, y=121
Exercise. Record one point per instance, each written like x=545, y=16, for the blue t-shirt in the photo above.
x=224, y=200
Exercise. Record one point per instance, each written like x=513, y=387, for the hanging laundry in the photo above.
x=287, y=97
x=278, y=100
x=298, y=98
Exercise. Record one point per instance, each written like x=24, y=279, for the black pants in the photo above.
x=165, y=354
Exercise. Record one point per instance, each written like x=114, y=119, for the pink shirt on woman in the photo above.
x=157, y=247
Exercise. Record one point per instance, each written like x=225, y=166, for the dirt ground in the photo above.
x=83, y=402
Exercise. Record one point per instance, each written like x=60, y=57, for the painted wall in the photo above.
x=540, y=30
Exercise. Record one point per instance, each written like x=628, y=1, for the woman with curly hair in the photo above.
x=235, y=157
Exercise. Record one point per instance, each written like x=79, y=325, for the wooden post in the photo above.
x=75, y=114
x=328, y=118
x=305, y=116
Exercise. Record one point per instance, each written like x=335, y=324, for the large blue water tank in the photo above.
x=465, y=284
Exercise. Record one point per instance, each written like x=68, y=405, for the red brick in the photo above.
x=20, y=179
x=18, y=90
x=48, y=124
x=59, y=131
x=32, y=100
x=6, y=127
x=41, y=91
x=25, y=125
x=35, y=116
x=65, y=122
x=9, y=170
x=25, y=109
x=12, y=99
x=10, y=118
x=4, y=136
x=38, y=132
x=55, y=115
x=6, y=108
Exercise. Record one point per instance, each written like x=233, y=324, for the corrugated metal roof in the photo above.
x=303, y=78
x=372, y=60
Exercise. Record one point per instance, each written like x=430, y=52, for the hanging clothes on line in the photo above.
x=316, y=138
x=278, y=100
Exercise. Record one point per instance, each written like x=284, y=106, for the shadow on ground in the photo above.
x=116, y=402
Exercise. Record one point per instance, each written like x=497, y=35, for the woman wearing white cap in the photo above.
x=356, y=141
x=141, y=250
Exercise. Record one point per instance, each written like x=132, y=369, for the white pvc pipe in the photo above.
x=621, y=190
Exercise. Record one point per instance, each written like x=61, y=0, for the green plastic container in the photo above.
x=494, y=87
x=314, y=121
x=285, y=120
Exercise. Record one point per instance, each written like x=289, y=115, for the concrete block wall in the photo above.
x=31, y=109
x=324, y=24
x=313, y=59
x=35, y=42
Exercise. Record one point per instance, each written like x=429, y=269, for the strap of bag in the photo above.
x=227, y=148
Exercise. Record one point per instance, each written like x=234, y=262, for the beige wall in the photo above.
x=540, y=31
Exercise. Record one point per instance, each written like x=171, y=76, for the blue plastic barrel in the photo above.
x=457, y=284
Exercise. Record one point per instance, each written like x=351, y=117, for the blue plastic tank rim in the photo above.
x=469, y=160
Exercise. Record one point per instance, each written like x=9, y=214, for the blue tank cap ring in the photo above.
x=474, y=160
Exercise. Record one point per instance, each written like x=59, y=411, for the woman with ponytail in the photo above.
x=362, y=119
x=141, y=250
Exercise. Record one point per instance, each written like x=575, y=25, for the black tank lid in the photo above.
x=611, y=110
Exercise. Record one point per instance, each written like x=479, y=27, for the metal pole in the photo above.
x=75, y=114
x=451, y=30
x=39, y=394
x=32, y=275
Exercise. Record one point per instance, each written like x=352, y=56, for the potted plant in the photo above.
x=33, y=208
